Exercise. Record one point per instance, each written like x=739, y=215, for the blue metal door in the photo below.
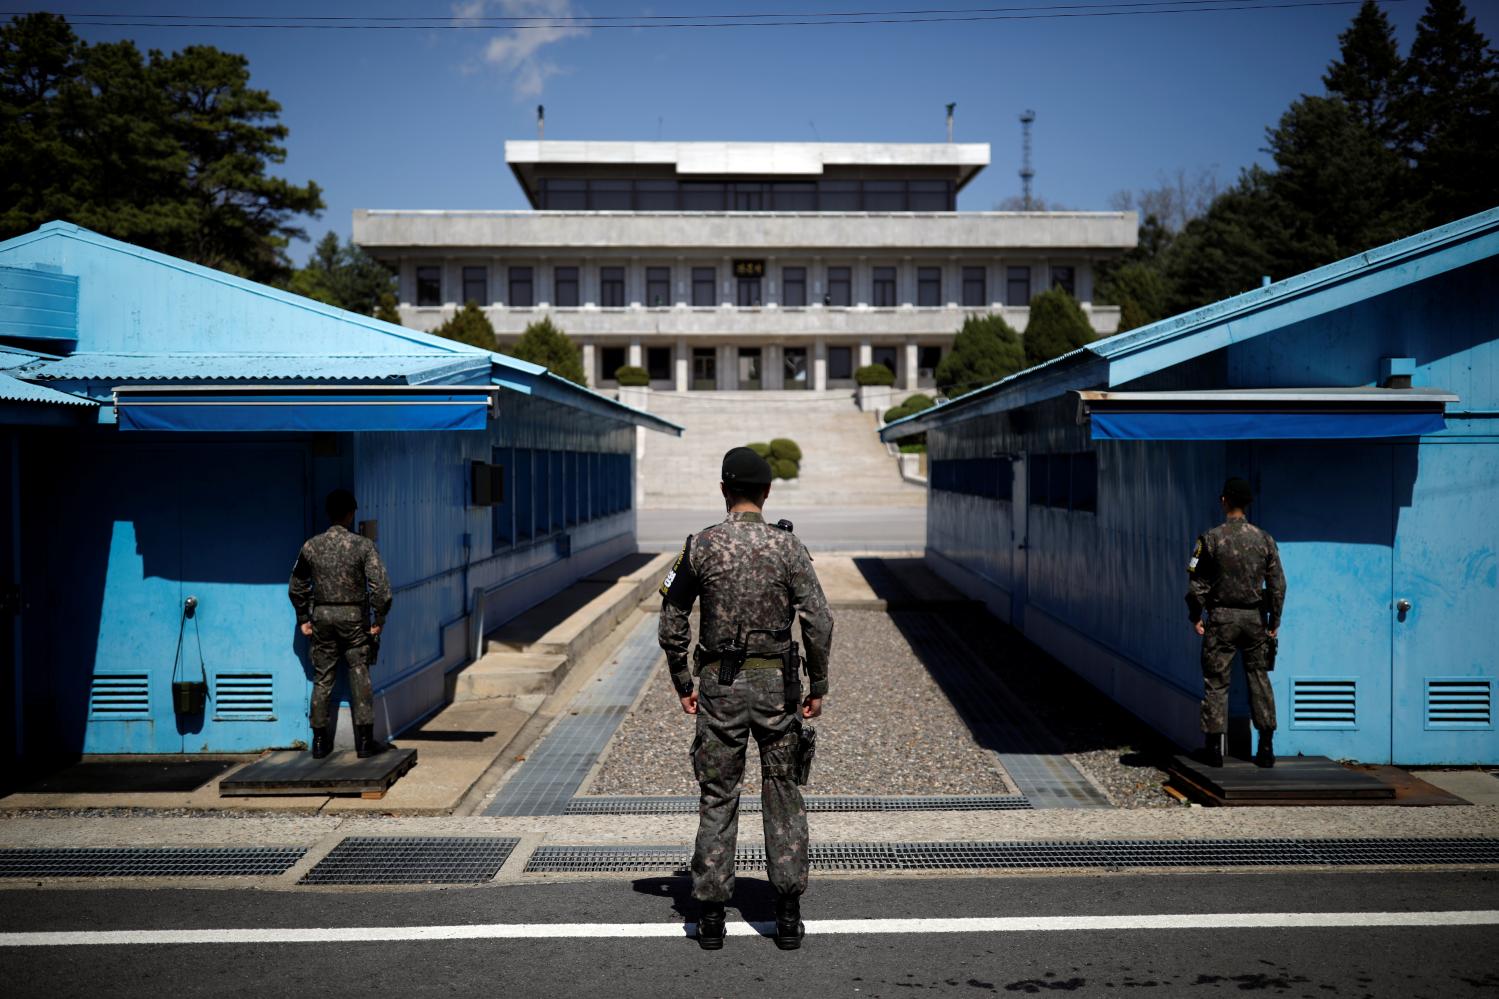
x=1328, y=507
x=1445, y=611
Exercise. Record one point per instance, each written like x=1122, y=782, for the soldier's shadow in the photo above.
x=754, y=899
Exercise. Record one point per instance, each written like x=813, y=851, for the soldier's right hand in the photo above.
x=306, y=628
x=1199, y=628
x=689, y=703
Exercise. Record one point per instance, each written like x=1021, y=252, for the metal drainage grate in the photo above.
x=148, y=862
x=408, y=860
x=1055, y=854
x=553, y=772
x=672, y=805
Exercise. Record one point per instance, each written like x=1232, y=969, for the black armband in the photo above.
x=680, y=587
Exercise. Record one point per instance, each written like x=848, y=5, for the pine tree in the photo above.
x=1367, y=74
x=545, y=344
x=386, y=310
x=1139, y=289
x=985, y=350
x=1450, y=113
x=1057, y=326
x=469, y=325
x=344, y=276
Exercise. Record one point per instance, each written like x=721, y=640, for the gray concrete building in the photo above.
x=744, y=265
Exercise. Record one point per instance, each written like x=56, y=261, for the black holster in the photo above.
x=806, y=751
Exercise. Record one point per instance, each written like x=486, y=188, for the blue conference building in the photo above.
x=1360, y=399
x=168, y=431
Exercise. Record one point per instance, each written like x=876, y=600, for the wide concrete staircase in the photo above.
x=843, y=461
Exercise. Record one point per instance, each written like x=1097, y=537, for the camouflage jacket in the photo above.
x=1236, y=565
x=749, y=575
x=339, y=568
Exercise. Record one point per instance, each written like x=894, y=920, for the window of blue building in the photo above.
x=524, y=502
x=503, y=513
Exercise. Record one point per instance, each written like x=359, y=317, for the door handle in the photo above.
x=1402, y=605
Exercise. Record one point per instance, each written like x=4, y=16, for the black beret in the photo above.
x=339, y=503
x=741, y=466
x=1238, y=492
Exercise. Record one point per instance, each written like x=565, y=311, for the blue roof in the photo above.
x=15, y=390
x=407, y=369
x=1127, y=356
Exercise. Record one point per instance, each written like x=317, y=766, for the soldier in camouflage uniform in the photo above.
x=754, y=579
x=337, y=583
x=1235, y=577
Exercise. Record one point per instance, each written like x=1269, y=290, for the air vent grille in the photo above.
x=1460, y=702
x=244, y=697
x=1324, y=702
x=120, y=696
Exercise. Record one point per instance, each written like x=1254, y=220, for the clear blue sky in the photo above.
x=418, y=118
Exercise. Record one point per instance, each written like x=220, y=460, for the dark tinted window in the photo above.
x=793, y=286
x=524, y=500
x=794, y=197
x=749, y=292
x=975, y=286
x=928, y=286
x=884, y=287
x=429, y=286
x=658, y=363
x=610, y=195
x=502, y=514
x=655, y=195
x=612, y=287
x=886, y=356
x=522, y=291
x=838, y=196
x=704, y=286
x=749, y=197
x=702, y=197
x=931, y=196
x=1085, y=481
x=929, y=358
x=564, y=195
x=566, y=291
x=1018, y=286
x=657, y=287
x=840, y=362
x=1065, y=278
x=476, y=285
x=840, y=286
x=611, y=359
x=884, y=196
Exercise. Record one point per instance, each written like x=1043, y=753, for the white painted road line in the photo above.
x=1197, y=921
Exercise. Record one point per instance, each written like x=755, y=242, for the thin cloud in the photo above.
x=522, y=55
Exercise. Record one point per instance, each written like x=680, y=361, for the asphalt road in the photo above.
x=822, y=529
x=1200, y=960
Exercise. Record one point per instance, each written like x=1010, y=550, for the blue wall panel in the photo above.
x=38, y=305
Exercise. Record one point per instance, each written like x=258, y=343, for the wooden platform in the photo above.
x=343, y=772
x=1293, y=780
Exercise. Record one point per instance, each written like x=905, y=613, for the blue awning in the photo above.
x=304, y=408
x=1264, y=414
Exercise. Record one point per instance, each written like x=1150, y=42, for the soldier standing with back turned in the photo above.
x=337, y=583
x=1235, y=576
x=754, y=580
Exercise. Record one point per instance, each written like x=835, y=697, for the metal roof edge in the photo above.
x=37, y=394
x=1020, y=389
x=543, y=384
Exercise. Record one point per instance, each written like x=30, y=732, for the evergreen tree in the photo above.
x=1368, y=71
x=386, y=310
x=469, y=325
x=985, y=350
x=1057, y=326
x=345, y=276
x=171, y=151
x=1139, y=289
x=1224, y=252
x=545, y=344
x=1450, y=113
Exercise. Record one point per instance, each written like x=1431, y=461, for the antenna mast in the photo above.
x=1026, y=172
x=949, y=122
x=541, y=122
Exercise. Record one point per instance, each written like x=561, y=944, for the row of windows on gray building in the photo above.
x=567, y=286
x=840, y=359
x=746, y=196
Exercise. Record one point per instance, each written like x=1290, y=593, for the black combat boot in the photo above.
x=1265, y=757
x=1212, y=749
x=710, y=928
x=789, y=928
x=322, y=742
x=365, y=743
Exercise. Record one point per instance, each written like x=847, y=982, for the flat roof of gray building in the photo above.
x=785, y=159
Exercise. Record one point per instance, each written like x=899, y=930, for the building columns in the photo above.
x=819, y=364
x=588, y=365
x=866, y=353
x=633, y=354
x=912, y=356
x=682, y=365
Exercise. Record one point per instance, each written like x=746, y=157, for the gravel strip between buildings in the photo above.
x=886, y=729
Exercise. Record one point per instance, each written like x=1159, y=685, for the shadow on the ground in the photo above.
x=753, y=898
x=1013, y=696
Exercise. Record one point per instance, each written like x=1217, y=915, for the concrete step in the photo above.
x=508, y=674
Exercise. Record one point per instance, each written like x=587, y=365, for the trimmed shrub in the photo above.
x=783, y=447
x=913, y=449
x=1057, y=326
x=469, y=325
x=631, y=376
x=917, y=403
x=895, y=413
x=545, y=344
x=760, y=448
x=985, y=350
x=874, y=374
x=784, y=468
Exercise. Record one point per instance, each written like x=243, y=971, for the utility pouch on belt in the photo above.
x=806, y=751
x=1272, y=649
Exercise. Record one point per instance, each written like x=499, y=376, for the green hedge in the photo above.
x=784, y=468
x=783, y=447
x=760, y=448
x=631, y=376
x=874, y=374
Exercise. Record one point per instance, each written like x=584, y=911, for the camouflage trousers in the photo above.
x=351, y=641
x=726, y=717
x=1231, y=631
